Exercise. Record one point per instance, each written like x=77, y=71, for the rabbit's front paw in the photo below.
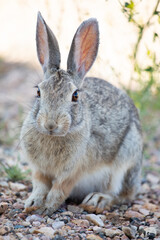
x=34, y=201
x=46, y=210
x=96, y=202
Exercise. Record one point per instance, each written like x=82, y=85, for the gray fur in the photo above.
x=92, y=145
x=72, y=64
x=53, y=61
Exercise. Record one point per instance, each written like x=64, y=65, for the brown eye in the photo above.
x=38, y=93
x=75, y=96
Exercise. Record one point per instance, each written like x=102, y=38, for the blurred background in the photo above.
x=129, y=57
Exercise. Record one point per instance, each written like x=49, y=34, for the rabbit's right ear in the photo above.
x=84, y=48
x=47, y=46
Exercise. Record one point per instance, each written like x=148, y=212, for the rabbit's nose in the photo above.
x=50, y=126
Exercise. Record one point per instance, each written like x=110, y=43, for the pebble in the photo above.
x=157, y=214
x=3, y=207
x=34, y=218
x=136, y=207
x=4, y=184
x=93, y=237
x=45, y=238
x=67, y=213
x=152, y=178
x=50, y=221
x=133, y=214
x=17, y=186
x=74, y=209
x=95, y=219
x=25, y=224
x=82, y=223
x=97, y=229
x=57, y=224
x=18, y=226
x=144, y=211
x=129, y=232
x=4, y=230
x=48, y=231
x=112, y=232
x=36, y=224
x=150, y=231
x=124, y=237
x=150, y=206
x=18, y=205
x=123, y=207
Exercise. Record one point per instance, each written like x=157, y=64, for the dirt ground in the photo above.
x=137, y=220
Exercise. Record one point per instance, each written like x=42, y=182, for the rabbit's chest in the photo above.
x=54, y=158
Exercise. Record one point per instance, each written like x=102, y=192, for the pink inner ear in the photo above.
x=42, y=44
x=86, y=47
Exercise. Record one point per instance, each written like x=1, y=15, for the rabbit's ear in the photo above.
x=84, y=48
x=47, y=46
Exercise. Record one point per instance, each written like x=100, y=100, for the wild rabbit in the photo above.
x=83, y=135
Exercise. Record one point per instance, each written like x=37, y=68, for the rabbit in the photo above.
x=82, y=136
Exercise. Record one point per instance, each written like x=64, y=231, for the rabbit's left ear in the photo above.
x=47, y=46
x=84, y=48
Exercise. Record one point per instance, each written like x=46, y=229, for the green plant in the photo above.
x=14, y=172
x=147, y=94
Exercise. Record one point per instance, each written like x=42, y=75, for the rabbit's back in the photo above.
x=113, y=114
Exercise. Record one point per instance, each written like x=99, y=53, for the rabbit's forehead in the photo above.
x=57, y=83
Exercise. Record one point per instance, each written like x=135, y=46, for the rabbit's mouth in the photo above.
x=54, y=133
x=60, y=130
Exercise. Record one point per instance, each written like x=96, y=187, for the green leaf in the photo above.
x=149, y=69
x=130, y=5
x=155, y=36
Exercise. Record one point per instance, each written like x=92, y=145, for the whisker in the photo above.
x=26, y=134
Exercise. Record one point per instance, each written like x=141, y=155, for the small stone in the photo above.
x=82, y=223
x=151, y=207
x=50, y=221
x=151, y=221
x=3, y=184
x=18, y=226
x=141, y=230
x=17, y=186
x=133, y=214
x=97, y=229
x=123, y=207
x=103, y=217
x=48, y=231
x=3, y=207
x=136, y=207
x=36, y=224
x=144, y=211
x=93, y=237
x=112, y=232
x=124, y=237
x=152, y=178
x=33, y=218
x=25, y=224
x=95, y=219
x=44, y=238
x=157, y=214
x=129, y=232
x=67, y=213
x=18, y=205
x=150, y=232
x=57, y=224
x=22, y=215
x=74, y=209
x=4, y=230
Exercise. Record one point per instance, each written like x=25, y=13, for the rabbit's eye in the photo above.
x=75, y=96
x=38, y=93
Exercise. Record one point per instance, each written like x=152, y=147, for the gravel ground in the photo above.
x=137, y=220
